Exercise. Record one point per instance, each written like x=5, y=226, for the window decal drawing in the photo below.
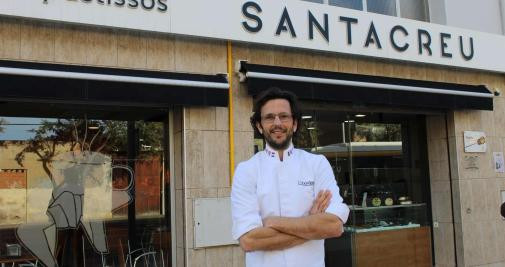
x=82, y=176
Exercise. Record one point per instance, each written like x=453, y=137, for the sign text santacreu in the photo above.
x=396, y=37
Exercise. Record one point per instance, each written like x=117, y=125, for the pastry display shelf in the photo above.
x=382, y=228
x=355, y=208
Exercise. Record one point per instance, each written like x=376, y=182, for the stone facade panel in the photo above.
x=71, y=44
x=37, y=41
x=10, y=43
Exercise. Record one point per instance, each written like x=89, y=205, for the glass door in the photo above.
x=77, y=191
x=327, y=133
x=380, y=163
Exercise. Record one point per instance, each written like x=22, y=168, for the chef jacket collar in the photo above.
x=272, y=153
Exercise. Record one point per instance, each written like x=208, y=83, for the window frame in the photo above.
x=397, y=7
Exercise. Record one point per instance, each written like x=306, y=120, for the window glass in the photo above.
x=83, y=192
x=414, y=9
x=315, y=1
x=353, y=4
x=380, y=165
x=385, y=7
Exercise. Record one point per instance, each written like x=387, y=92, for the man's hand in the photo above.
x=319, y=205
x=321, y=202
x=317, y=225
x=266, y=238
x=311, y=227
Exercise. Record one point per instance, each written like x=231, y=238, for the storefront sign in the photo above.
x=294, y=23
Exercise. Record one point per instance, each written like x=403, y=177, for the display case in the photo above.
x=385, y=199
x=384, y=218
x=389, y=211
x=380, y=164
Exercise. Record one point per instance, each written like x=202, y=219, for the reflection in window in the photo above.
x=385, y=7
x=353, y=4
x=376, y=132
x=410, y=9
x=380, y=151
x=414, y=9
x=67, y=188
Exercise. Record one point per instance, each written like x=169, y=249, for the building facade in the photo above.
x=119, y=133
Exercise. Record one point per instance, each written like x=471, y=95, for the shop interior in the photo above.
x=380, y=162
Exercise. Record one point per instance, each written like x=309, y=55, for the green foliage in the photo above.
x=2, y=122
x=104, y=136
x=377, y=132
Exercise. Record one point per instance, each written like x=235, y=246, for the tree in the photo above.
x=2, y=129
x=308, y=134
x=52, y=138
x=2, y=122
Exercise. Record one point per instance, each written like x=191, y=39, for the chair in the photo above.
x=145, y=254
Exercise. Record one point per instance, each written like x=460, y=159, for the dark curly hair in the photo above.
x=270, y=94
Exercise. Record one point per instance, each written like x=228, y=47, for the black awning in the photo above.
x=365, y=89
x=29, y=82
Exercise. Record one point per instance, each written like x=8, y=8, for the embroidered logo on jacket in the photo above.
x=306, y=183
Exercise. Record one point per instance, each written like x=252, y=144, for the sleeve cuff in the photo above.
x=239, y=231
x=340, y=210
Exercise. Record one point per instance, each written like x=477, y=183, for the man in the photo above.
x=285, y=201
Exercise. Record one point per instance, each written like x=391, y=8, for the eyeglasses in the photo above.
x=270, y=118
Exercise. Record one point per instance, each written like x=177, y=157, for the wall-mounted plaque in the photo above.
x=475, y=142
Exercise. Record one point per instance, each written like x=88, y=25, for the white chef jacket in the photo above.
x=264, y=186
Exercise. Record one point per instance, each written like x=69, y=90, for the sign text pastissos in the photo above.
x=160, y=5
x=396, y=37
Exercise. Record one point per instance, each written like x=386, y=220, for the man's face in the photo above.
x=277, y=124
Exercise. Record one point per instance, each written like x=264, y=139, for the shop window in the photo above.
x=380, y=164
x=76, y=191
x=414, y=9
x=353, y=4
x=410, y=9
x=385, y=7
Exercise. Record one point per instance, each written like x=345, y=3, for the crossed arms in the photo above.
x=283, y=232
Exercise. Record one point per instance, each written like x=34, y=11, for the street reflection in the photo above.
x=82, y=198
x=78, y=192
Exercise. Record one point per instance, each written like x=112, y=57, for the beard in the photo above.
x=279, y=145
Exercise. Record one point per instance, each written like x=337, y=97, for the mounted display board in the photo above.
x=294, y=23
x=212, y=222
x=475, y=141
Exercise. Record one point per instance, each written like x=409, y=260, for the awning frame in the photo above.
x=109, y=78
x=453, y=95
x=173, y=88
x=363, y=84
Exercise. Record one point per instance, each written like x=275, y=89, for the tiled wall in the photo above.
x=479, y=227
x=438, y=158
x=201, y=134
